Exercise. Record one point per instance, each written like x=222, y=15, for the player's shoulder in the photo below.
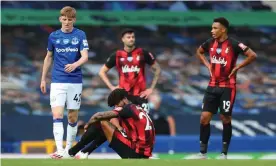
x=233, y=40
x=210, y=40
x=55, y=33
x=128, y=106
x=79, y=31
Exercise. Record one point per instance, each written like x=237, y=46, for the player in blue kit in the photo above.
x=67, y=50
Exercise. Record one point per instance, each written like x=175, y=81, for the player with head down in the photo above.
x=137, y=138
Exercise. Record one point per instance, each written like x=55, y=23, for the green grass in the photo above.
x=161, y=162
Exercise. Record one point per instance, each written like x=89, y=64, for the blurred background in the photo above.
x=172, y=30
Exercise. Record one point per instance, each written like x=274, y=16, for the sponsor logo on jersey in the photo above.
x=66, y=41
x=152, y=57
x=227, y=50
x=242, y=46
x=127, y=69
x=57, y=41
x=129, y=59
x=68, y=49
x=75, y=41
x=219, y=60
x=85, y=43
x=218, y=50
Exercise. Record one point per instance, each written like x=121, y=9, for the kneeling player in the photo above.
x=135, y=141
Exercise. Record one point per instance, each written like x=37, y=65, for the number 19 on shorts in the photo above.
x=226, y=105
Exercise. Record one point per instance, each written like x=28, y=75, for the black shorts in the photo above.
x=142, y=102
x=219, y=98
x=123, y=150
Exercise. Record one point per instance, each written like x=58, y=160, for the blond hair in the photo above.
x=68, y=11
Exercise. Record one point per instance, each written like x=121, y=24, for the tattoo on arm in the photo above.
x=156, y=70
x=111, y=125
x=101, y=116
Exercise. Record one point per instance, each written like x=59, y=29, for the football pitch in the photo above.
x=131, y=162
x=110, y=159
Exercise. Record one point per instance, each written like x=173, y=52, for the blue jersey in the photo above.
x=66, y=49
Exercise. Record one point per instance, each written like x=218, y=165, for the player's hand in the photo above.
x=43, y=87
x=70, y=67
x=145, y=94
x=86, y=127
x=233, y=72
x=114, y=87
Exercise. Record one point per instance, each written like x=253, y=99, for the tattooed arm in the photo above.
x=156, y=71
x=101, y=116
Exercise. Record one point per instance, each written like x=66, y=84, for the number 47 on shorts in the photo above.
x=77, y=98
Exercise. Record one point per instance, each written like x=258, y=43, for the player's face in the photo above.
x=129, y=39
x=67, y=22
x=123, y=102
x=217, y=30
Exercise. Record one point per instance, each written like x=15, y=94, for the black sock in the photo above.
x=204, y=137
x=88, y=136
x=226, y=137
x=95, y=144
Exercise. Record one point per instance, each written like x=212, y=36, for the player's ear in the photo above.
x=74, y=20
x=59, y=18
x=125, y=100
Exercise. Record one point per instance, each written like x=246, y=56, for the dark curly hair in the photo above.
x=223, y=21
x=116, y=96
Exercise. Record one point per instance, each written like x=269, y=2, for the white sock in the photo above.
x=58, y=133
x=72, y=129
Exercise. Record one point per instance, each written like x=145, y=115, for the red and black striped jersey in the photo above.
x=131, y=68
x=223, y=58
x=139, y=129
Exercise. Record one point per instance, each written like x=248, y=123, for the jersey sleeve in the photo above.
x=84, y=42
x=111, y=61
x=50, y=46
x=149, y=57
x=124, y=112
x=205, y=46
x=239, y=47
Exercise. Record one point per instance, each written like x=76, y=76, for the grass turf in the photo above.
x=160, y=162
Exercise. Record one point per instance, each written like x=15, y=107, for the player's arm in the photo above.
x=111, y=62
x=251, y=56
x=83, y=59
x=102, y=116
x=83, y=47
x=156, y=71
x=119, y=111
x=200, y=55
x=155, y=68
x=172, y=127
x=46, y=66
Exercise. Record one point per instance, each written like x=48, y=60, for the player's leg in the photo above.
x=226, y=105
x=73, y=102
x=95, y=144
x=101, y=138
x=92, y=133
x=210, y=107
x=57, y=101
x=118, y=141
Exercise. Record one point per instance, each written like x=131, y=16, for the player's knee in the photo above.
x=57, y=113
x=225, y=119
x=205, y=119
x=72, y=116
